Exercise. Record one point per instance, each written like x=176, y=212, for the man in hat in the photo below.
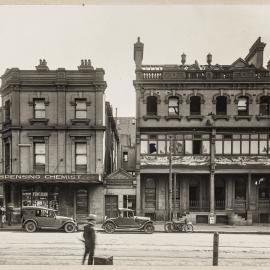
x=89, y=236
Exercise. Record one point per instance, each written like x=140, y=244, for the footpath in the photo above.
x=198, y=228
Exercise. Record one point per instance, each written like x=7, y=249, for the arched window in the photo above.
x=221, y=105
x=151, y=105
x=195, y=105
x=242, y=105
x=173, y=108
x=265, y=105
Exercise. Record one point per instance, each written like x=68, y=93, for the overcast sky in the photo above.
x=64, y=35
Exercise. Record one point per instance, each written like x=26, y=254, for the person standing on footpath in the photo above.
x=89, y=236
x=2, y=212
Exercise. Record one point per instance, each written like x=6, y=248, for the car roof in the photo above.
x=125, y=209
x=36, y=208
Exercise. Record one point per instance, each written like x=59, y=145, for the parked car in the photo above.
x=127, y=220
x=34, y=218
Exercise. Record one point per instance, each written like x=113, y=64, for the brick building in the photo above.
x=53, y=138
x=211, y=123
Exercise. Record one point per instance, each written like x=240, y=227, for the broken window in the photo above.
x=195, y=105
x=242, y=106
x=151, y=106
x=265, y=105
x=221, y=105
x=173, y=106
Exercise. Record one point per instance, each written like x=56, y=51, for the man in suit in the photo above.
x=89, y=236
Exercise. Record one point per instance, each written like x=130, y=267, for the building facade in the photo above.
x=203, y=139
x=53, y=139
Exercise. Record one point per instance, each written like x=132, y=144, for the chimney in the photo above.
x=138, y=53
x=255, y=55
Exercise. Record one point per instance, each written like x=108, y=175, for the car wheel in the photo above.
x=149, y=228
x=188, y=228
x=109, y=227
x=30, y=226
x=69, y=228
x=168, y=227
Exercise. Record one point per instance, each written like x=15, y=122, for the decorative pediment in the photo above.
x=120, y=174
x=239, y=63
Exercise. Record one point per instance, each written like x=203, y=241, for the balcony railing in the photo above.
x=203, y=205
x=264, y=203
x=220, y=204
x=240, y=204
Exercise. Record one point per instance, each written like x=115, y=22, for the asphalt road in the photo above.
x=159, y=249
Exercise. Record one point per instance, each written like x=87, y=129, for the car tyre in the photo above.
x=168, y=227
x=30, y=226
x=109, y=227
x=69, y=228
x=149, y=228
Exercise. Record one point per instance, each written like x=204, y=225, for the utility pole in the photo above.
x=170, y=180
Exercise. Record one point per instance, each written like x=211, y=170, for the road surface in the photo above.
x=158, y=249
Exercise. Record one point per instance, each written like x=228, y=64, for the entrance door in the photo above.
x=111, y=206
x=220, y=194
x=81, y=203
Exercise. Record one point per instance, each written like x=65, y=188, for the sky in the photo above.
x=63, y=35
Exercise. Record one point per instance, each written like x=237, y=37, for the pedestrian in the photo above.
x=89, y=236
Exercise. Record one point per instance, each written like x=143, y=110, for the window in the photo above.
x=173, y=106
x=144, y=147
x=151, y=106
x=81, y=157
x=7, y=111
x=264, y=189
x=7, y=156
x=221, y=105
x=242, y=106
x=80, y=109
x=265, y=105
x=125, y=156
x=240, y=189
x=39, y=108
x=39, y=156
x=195, y=105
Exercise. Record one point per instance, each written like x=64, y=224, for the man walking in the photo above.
x=89, y=236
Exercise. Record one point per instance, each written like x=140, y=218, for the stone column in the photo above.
x=138, y=194
x=249, y=212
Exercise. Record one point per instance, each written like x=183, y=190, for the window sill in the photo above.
x=195, y=117
x=80, y=121
x=243, y=117
x=39, y=120
x=221, y=117
x=149, y=117
x=262, y=117
x=173, y=117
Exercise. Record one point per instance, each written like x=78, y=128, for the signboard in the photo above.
x=50, y=177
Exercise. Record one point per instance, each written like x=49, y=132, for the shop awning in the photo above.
x=51, y=178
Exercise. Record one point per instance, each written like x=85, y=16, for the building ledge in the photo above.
x=149, y=117
x=173, y=117
x=243, y=117
x=195, y=117
x=39, y=120
x=221, y=117
x=262, y=117
x=85, y=121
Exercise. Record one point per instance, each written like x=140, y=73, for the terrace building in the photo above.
x=203, y=140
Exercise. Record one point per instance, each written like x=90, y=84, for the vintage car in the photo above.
x=34, y=218
x=127, y=220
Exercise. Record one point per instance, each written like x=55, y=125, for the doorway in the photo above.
x=111, y=206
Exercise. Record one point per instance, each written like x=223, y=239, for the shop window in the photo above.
x=39, y=108
x=262, y=146
x=150, y=193
x=242, y=106
x=151, y=105
x=161, y=147
x=221, y=105
x=39, y=157
x=188, y=147
x=265, y=105
x=205, y=148
x=179, y=147
x=227, y=144
x=219, y=147
x=80, y=109
x=245, y=145
x=196, y=148
x=240, y=189
x=236, y=144
x=81, y=157
x=7, y=111
x=173, y=106
x=195, y=105
x=125, y=156
x=254, y=144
